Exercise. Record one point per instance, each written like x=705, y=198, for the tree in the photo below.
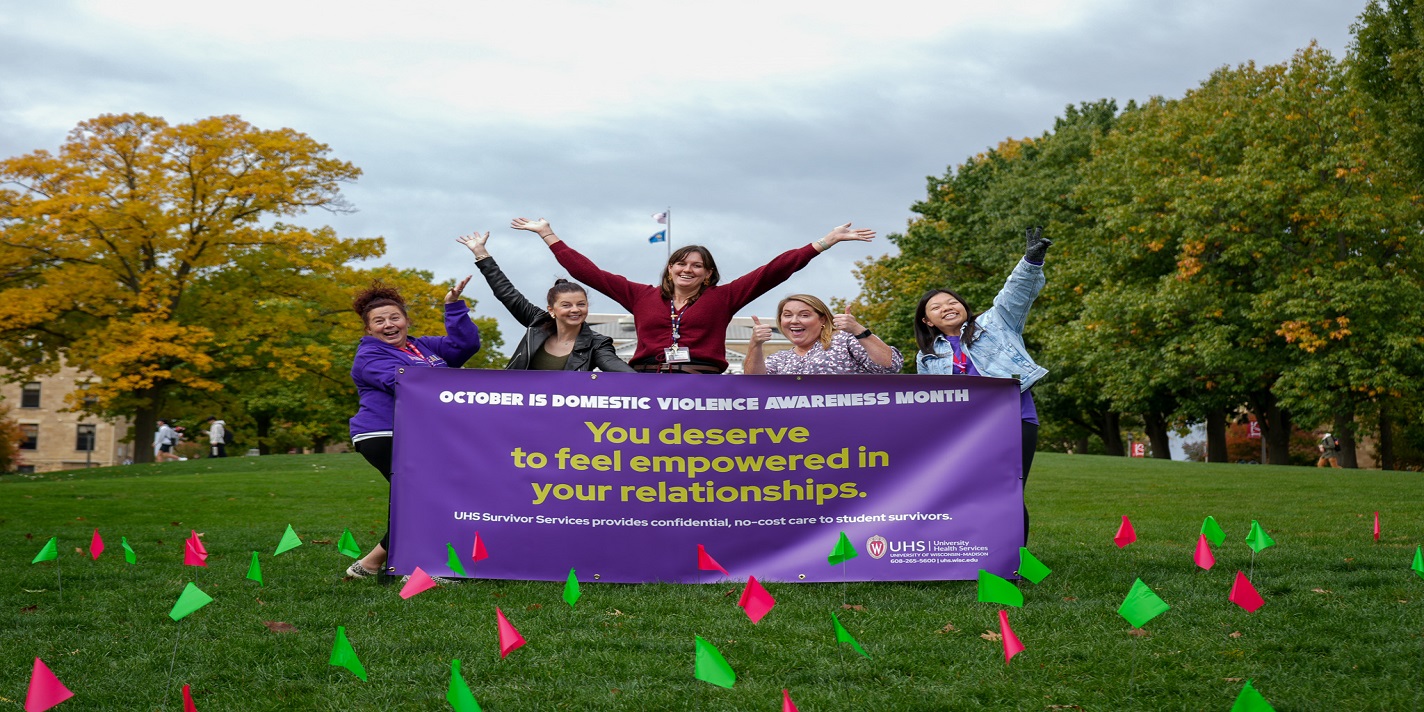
x=10, y=439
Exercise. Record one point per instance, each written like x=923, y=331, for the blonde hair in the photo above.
x=818, y=306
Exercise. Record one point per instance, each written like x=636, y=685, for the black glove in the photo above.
x=1037, y=245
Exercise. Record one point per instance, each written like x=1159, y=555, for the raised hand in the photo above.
x=455, y=291
x=847, y=323
x=476, y=243
x=1037, y=246
x=761, y=333
x=540, y=226
x=844, y=232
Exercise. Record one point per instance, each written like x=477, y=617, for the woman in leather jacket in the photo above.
x=556, y=338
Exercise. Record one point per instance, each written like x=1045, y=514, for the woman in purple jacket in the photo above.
x=383, y=351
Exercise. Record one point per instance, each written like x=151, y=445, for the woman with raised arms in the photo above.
x=556, y=338
x=821, y=343
x=682, y=322
x=953, y=340
x=387, y=348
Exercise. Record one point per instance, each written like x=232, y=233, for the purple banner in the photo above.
x=622, y=475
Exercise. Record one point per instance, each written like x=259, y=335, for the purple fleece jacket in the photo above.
x=374, y=368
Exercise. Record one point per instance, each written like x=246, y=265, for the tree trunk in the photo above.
x=144, y=427
x=264, y=427
x=1216, y=435
x=318, y=444
x=1386, y=435
x=1080, y=446
x=1345, y=435
x=1156, y=425
x=1112, y=434
x=1275, y=427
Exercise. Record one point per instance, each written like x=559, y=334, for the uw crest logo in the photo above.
x=876, y=546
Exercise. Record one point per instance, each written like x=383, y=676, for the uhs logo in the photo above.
x=876, y=546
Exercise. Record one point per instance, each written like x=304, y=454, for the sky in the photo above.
x=762, y=125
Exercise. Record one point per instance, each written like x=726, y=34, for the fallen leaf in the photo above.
x=948, y=628
x=1350, y=559
x=78, y=550
x=533, y=606
x=79, y=519
x=1235, y=634
x=852, y=607
x=1063, y=707
x=261, y=602
x=732, y=592
x=615, y=690
x=160, y=542
x=1321, y=590
x=29, y=536
x=1233, y=679
x=174, y=524
x=42, y=590
x=280, y=626
x=319, y=541
x=496, y=595
x=29, y=609
x=1139, y=632
x=991, y=635
x=1070, y=598
x=616, y=612
x=1404, y=601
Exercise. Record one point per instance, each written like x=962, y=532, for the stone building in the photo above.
x=58, y=440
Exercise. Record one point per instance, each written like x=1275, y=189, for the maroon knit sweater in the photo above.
x=703, y=328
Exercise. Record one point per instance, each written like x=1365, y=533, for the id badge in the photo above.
x=676, y=354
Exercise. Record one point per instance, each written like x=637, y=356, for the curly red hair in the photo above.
x=379, y=294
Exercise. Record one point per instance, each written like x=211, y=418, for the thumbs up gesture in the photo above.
x=847, y=323
x=761, y=333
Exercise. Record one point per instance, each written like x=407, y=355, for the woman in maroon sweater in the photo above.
x=682, y=323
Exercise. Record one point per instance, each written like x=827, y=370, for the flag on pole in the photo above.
x=1257, y=538
x=1204, y=557
x=479, y=550
x=1012, y=646
x=659, y=236
x=459, y=695
x=571, y=589
x=198, y=544
x=1418, y=565
x=661, y=218
x=1244, y=594
x=129, y=554
x=96, y=545
x=188, y=705
x=1213, y=531
x=289, y=541
x=46, y=690
x=1141, y=605
x=191, y=599
x=191, y=557
x=756, y=600
x=347, y=545
x=844, y=636
x=710, y=666
x=343, y=655
x=101, y=546
x=452, y=560
x=1251, y=701
x=705, y=562
x=843, y=552
x=418, y=582
x=48, y=552
x=254, y=570
x=509, y=638
x=786, y=704
x=1125, y=533
x=1030, y=567
x=993, y=589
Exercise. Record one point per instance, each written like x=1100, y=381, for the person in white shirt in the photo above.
x=217, y=437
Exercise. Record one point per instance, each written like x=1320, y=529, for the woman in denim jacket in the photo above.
x=954, y=340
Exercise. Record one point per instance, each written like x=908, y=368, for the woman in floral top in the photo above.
x=821, y=343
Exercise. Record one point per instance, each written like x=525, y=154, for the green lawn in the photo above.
x=1341, y=627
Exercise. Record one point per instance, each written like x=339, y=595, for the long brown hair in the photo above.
x=680, y=254
x=827, y=330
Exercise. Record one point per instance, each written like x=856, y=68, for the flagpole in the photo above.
x=667, y=236
x=168, y=686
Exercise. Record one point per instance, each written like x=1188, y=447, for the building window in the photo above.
x=84, y=437
x=31, y=432
x=25, y=469
x=30, y=395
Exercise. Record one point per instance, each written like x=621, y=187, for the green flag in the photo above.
x=711, y=667
x=347, y=545
x=191, y=599
x=343, y=655
x=1418, y=565
x=1141, y=605
x=48, y=552
x=129, y=554
x=459, y=695
x=993, y=589
x=844, y=636
x=1251, y=701
x=843, y=552
x=289, y=541
x=254, y=570
x=1030, y=567
x=1213, y=531
x=452, y=560
x=1258, y=539
x=571, y=589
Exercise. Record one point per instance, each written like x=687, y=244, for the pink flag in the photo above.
x=191, y=557
x=479, y=552
x=756, y=600
x=418, y=581
x=198, y=544
x=1125, y=533
x=96, y=531
x=96, y=545
x=786, y=704
x=707, y=563
x=1244, y=594
x=1204, y=558
x=509, y=638
x=1012, y=646
x=46, y=690
x=188, y=705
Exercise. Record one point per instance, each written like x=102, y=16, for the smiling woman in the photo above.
x=821, y=343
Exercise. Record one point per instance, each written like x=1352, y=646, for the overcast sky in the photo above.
x=761, y=124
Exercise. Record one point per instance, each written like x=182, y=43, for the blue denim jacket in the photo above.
x=998, y=351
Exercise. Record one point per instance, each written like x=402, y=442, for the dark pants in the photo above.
x=377, y=451
x=1030, y=444
x=219, y=450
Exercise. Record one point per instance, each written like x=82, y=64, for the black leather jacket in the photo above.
x=591, y=349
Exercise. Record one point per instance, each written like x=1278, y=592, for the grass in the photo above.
x=1341, y=627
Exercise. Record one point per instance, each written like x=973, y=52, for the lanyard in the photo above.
x=961, y=359
x=676, y=319
x=413, y=351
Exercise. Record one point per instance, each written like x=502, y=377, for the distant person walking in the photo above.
x=163, y=441
x=1329, y=449
x=217, y=437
